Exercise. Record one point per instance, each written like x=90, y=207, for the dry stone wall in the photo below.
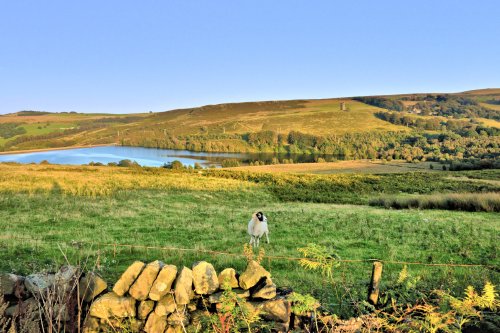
x=153, y=297
x=157, y=298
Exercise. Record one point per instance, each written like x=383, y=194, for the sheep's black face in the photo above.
x=261, y=217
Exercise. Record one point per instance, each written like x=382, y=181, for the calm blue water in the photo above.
x=143, y=156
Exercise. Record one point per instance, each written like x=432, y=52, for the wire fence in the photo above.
x=116, y=246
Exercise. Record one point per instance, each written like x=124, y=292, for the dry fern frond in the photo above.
x=262, y=252
x=488, y=298
x=403, y=275
x=248, y=252
x=318, y=258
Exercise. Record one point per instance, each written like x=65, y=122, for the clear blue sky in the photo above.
x=136, y=56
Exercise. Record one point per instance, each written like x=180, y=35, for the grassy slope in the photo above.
x=191, y=211
x=312, y=116
x=58, y=122
x=357, y=166
x=320, y=117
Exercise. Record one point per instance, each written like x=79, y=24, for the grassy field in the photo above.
x=357, y=166
x=71, y=208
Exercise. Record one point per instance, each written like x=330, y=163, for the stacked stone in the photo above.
x=157, y=298
x=24, y=294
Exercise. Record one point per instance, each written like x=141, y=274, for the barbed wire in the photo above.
x=213, y=252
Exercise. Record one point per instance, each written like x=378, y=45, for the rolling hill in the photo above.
x=327, y=126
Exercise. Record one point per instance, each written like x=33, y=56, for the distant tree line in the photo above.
x=9, y=130
x=438, y=105
x=475, y=164
x=382, y=102
x=454, y=106
x=466, y=128
x=32, y=113
x=411, y=146
x=493, y=101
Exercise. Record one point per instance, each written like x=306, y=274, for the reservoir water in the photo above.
x=143, y=156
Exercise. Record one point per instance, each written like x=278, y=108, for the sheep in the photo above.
x=257, y=227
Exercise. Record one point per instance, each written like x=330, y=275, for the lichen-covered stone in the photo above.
x=9, y=283
x=191, y=306
x=252, y=275
x=65, y=277
x=39, y=282
x=205, y=278
x=228, y=276
x=90, y=286
x=265, y=289
x=165, y=305
x=174, y=329
x=141, y=287
x=178, y=318
x=163, y=282
x=128, y=277
x=129, y=325
x=155, y=323
x=135, y=325
x=252, y=308
x=91, y=325
x=145, y=308
x=183, y=288
x=111, y=305
x=198, y=316
x=277, y=310
x=27, y=306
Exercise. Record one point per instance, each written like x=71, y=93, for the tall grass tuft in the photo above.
x=472, y=202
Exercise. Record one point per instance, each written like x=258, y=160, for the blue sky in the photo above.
x=135, y=56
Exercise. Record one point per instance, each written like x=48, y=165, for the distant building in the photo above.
x=343, y=106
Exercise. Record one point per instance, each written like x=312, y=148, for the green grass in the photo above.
x=40, y=129
x=360, y=188
x=45, y=128
x=216, y=220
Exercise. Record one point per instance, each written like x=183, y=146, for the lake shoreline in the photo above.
x=58, y=148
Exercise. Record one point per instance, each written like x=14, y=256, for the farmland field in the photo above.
x=358, y=166
x=49, y=210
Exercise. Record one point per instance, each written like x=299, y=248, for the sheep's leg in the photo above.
x=267, y=237
x=258, y=241
x=251, y=240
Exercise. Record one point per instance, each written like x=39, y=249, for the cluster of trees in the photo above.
x=228, y=163
x=439, y=105
x=53, y=139
x=410, y=146
x=45, y=139
x=475, y=164
x=454, y=106
x=467, y=128
x=9, y=130
x=382, y=102
x=33, y=113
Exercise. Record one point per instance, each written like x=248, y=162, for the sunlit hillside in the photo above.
x=226, y=127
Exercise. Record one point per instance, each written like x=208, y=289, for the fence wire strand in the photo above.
x=114, y=246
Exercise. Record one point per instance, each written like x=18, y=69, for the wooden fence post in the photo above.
x=375, y=282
